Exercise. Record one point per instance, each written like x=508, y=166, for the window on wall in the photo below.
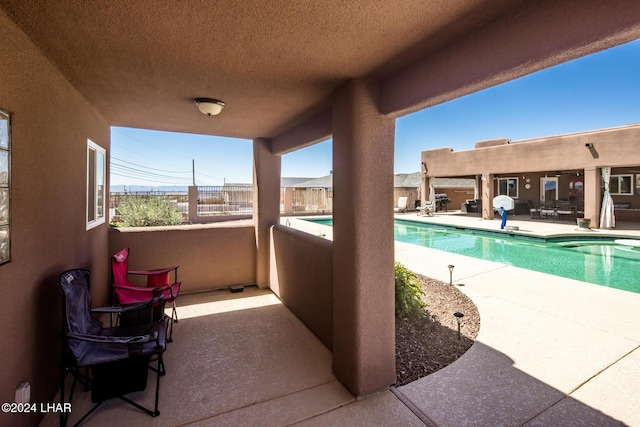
x=5, y=180
x=508, y=187
x=621, y=185
x=95, y=184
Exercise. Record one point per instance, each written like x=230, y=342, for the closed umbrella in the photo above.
x=607, y=216
x=432, y=196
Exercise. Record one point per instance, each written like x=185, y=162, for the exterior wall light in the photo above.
x=209, y=106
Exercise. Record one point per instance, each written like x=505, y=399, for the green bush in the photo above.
x=142, y=212
x=408, y=293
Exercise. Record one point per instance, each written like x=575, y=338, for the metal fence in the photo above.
x=231, y=200
x=225, y=200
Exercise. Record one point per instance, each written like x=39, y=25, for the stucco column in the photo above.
x=487, y=194
x=592, y=195
x=193, y=204
x=363, y=246
x=266, y=203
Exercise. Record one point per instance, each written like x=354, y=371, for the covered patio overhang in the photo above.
x=291, y=75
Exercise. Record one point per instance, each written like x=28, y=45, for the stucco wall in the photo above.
x=210, y=256
x=302, y=277
x=611, y=147
x=50, y=126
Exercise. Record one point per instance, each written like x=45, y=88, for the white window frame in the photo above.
x=96, y=184
x=507, y=178
x=619, y=178
x=543, y=192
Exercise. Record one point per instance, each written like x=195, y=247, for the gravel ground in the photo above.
x=429, y=343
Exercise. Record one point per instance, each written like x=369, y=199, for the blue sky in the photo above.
x=598, y=91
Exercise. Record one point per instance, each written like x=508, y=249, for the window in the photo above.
x=621, y=185
x=95, y=184
x=508, y=187
x=5, y=180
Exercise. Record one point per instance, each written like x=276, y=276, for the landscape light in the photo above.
x=459, y=317
x=451, y=274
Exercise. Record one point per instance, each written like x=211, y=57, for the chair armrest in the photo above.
x=113, y=340
x=154, y=271
x=117, y=309
x=142, y=289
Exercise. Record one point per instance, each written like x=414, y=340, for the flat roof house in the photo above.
x=291, y=74
x=566, y=168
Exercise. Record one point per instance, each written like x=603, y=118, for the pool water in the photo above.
x=588, y=259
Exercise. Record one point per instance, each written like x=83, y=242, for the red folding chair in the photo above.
x=158, y=283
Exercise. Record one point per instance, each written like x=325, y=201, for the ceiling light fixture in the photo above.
x=209, y=106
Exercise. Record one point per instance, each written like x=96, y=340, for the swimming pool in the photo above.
x=597, y=260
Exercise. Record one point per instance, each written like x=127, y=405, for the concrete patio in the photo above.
x=551, y=351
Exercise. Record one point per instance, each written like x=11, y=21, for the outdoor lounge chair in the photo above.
x=158, y=281
x=111, y=362
x=402, y=205
x=427, y=209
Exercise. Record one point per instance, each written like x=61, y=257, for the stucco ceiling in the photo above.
x=273, y=62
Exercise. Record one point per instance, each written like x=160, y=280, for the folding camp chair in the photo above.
x=158, y=280
x=112, y=361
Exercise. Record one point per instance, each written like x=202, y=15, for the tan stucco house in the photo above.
x=563, y=168
x=291, y=74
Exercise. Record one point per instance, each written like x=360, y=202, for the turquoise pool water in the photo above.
x=588, y=259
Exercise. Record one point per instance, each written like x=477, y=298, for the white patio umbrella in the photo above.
x=607, y=216
x=432, y=196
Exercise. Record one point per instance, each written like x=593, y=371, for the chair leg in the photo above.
x=170, y=330
x=160, y=371
x=174, y=313
x=174, y=319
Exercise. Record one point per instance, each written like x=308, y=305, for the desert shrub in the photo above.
x=408, y=293
x=141, y=212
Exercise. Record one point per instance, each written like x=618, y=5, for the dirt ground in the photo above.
x=427, y=344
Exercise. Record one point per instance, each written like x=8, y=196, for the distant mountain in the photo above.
x=143, y=188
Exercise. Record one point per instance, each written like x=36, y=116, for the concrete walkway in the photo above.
x=551, y=351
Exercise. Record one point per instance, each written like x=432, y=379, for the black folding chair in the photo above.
x=111, y=361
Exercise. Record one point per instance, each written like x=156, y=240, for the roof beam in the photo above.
x=543, y=34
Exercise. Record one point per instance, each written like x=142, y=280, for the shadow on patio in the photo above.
x=236, y=359
x=245, y=359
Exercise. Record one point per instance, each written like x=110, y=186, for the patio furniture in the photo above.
x=566, y=209
x=427, y=209
x=534, y=210
x=158, y=282
x=548, y=210
x=113, y=361
x=473, y=205
x=402, y=205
